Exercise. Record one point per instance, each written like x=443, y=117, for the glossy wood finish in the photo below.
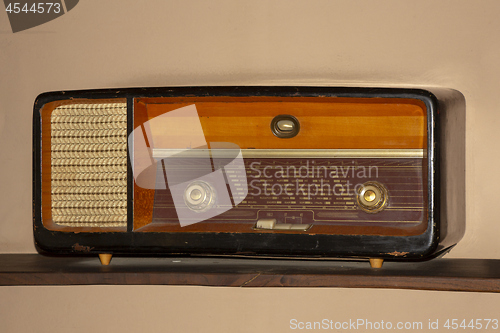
x=325, y=122
x=473, y=275
x=228, y=118
x=143, y=198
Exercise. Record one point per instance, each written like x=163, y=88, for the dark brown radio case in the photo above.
x=413, y=209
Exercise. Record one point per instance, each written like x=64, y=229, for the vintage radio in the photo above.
x=298, y=172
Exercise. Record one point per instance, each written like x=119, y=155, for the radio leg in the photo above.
x=105, y=258
x=376, y=263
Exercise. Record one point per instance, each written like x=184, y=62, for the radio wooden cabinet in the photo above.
x=303, y=172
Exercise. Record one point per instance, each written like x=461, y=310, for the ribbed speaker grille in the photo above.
x=89, y=165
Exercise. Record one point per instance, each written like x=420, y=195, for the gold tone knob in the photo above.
x=372, y=197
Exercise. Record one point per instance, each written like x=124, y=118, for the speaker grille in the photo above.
x=89, y=165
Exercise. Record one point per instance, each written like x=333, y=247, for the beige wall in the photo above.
x=102, y=44
x=148, y=309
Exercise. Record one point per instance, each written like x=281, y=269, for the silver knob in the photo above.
x=199, y=196
x=286, y=125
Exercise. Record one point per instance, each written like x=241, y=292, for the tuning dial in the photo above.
x=199, y=196
x=372, y=197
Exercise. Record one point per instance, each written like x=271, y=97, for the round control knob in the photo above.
x=372, y=197
x=285, y=126
x=199, y=196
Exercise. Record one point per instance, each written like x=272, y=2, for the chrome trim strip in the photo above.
x=296, y=153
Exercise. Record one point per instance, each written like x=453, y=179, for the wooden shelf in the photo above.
x=479, y=275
